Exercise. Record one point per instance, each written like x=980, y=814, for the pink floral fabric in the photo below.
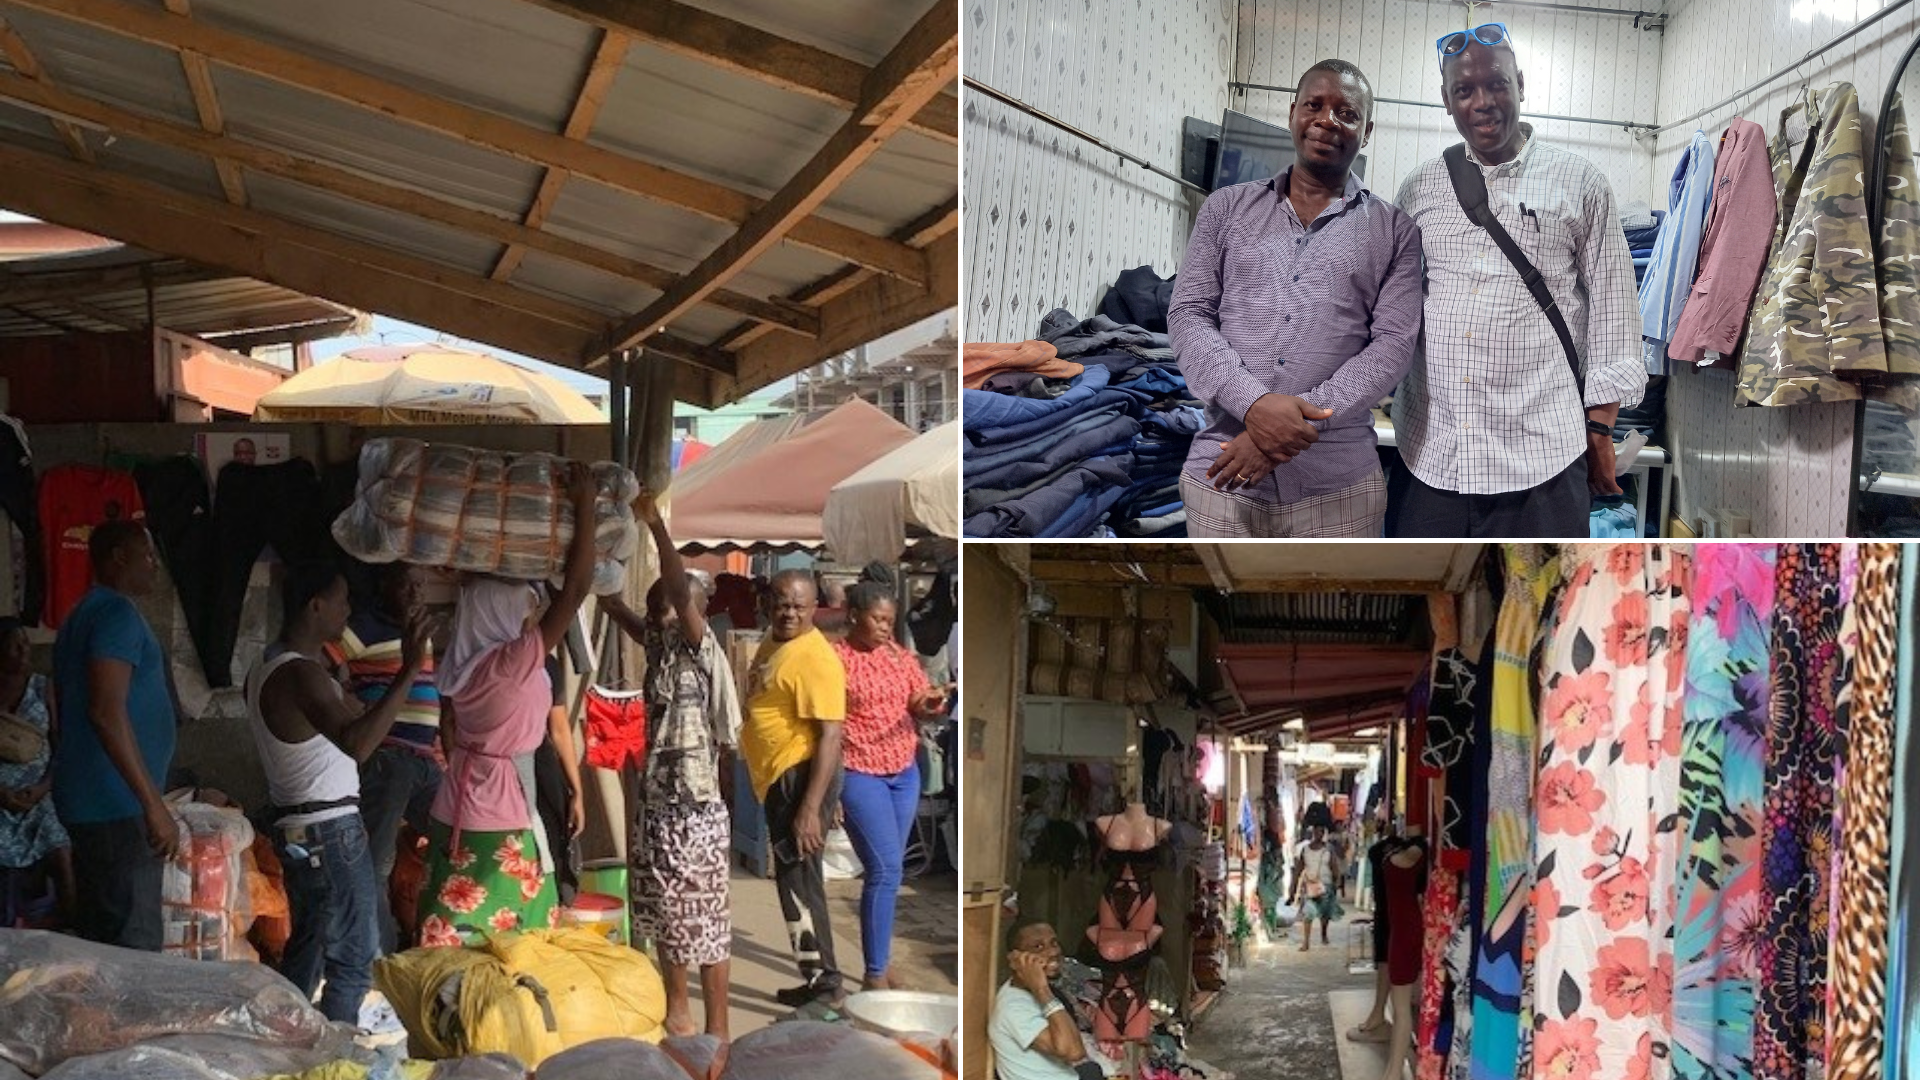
x=1607, y=798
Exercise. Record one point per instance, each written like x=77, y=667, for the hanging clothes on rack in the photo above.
x=1817, y=313
x=1669, y=279
x=1899, y=262
x=1733, y=248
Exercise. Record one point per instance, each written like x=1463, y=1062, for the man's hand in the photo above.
x=1240, y=464
x=576, y=814
x=163, y=832
x=1278, y=424
x=417, y=640
x=808, y=836
x=1600, y=465
x=580, y=486
x=1030, y=973
x=646, y=507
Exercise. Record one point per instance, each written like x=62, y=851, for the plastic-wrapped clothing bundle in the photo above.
x=613, y=1059
x=135, y=1063
x=809, y=1050
x=483, y=511
x=205, y=892
x=63, y=998
x=529, y=994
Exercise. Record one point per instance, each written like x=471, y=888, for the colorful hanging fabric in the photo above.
x=1532, y=573
x=1439, y=911
x=1608, y=804
x=1859, y=960
x=1812, y=676
x=1722, y=786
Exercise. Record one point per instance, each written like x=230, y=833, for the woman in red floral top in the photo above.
x=887, y=695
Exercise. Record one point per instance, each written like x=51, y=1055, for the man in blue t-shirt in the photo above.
x=117, y=725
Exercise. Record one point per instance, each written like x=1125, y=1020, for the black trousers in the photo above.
x=180, y=518
x=256, y=506
x=801, y=882
x=1554, y=510
x=118, y=879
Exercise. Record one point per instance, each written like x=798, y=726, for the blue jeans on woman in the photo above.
x=880, y=812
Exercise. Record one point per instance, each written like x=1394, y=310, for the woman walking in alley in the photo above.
x=1314, y=868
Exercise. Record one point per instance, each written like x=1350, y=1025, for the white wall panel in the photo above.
x=1789, y=467
x=1575, y=65
x=1049, y=219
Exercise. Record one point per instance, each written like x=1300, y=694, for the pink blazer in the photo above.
x=1733, y=247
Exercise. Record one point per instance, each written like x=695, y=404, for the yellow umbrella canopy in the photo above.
x=424, y=384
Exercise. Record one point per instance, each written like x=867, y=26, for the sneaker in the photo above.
x=793, y=997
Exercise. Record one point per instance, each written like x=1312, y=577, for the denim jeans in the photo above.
x=395, y=785
x=333, y=910
x=880, y=812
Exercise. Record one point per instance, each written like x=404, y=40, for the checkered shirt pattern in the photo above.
x=1490, y=405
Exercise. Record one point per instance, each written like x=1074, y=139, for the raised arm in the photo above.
x=673, y=572
x=358, y=734
x=579, y=575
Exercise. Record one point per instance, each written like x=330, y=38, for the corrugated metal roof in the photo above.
x=504, y=77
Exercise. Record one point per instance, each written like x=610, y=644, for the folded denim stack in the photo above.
x=1649, y=417
x=1097, y=454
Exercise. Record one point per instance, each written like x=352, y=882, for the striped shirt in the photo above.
x=1492, y=405
x=370, y=650
x=1328, y=312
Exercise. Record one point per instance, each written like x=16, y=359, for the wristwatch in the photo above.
x=1595, y=427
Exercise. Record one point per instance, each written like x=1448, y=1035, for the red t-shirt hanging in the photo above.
x=73, y=499
x=881, y=733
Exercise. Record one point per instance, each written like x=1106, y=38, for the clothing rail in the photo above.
x=1650, y=16
x=1896, y=5
x=1014, y=102
x=1629, y=125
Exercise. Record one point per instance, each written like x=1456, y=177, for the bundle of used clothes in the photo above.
x=1083, y=430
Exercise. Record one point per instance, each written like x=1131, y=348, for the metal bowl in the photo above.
x=895, y=1013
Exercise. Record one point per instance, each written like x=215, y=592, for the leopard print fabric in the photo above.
x=1857, y=1007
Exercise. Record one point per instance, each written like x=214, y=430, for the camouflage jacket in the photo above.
x=1817, y=312
x=1900, y=246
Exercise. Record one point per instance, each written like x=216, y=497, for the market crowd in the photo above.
x=376, y=718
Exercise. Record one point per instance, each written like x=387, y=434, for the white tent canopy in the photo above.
x=869, y=514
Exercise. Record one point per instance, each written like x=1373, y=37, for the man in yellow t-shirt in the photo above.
x=796, y=704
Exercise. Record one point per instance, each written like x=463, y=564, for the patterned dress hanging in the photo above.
x=1859, y=961
x=1532, y=572
x=1812, y=676
x=1722, y=785
x=1608, y=806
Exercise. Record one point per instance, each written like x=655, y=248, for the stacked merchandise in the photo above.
x=1660, y=792
x=1083, y=430
x=1642, y=227
x=1208, y=919
x=205, y=891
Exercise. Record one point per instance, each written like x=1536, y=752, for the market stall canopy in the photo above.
x=424, y=384
x=1254, y=568
x=773, y=493
x=913, y=491
x=742, y=187
x=55, y=280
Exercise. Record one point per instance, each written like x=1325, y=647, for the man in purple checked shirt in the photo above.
x=1298, y=307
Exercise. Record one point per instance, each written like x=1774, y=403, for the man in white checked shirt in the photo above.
x=1490, y=424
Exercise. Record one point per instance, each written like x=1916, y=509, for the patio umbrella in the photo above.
x=424, y=384
x=912, y=491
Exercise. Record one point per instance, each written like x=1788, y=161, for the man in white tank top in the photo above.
x=312, y=739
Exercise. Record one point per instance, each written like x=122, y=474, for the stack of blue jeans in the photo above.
x=1099, y=454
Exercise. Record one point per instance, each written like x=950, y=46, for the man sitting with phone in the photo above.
x=1032, y=1030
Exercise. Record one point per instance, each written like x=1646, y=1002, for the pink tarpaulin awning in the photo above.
x=775, y=495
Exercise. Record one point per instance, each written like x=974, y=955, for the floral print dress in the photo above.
x=1607, y=798
x=1722, y=788
x=27, y=838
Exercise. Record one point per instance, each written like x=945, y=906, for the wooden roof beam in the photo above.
x=297, y=257
x=479, y=127
x=781, y=314
x=750, y=51
x=207, y=104
x=925, y=60
x=26, y=63
x=586, y=108
x=49, y=287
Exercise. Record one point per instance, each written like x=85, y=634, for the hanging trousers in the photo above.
x=180, y=519
x=257, y=506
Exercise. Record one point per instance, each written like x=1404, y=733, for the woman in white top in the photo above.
x=1315, y=870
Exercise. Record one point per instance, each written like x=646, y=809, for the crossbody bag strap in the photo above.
x=1471, y=188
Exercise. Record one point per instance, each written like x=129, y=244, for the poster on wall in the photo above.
x=216, y=449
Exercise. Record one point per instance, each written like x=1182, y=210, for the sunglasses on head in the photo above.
x=1454, y=44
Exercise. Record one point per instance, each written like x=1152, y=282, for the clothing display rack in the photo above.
x=1008, y=99
x=1629, y=125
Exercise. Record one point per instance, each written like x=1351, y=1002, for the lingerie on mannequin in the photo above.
x=1127, y=929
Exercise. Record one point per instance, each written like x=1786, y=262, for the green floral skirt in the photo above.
x=493, y=884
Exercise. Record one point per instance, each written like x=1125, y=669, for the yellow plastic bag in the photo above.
x=529, y=994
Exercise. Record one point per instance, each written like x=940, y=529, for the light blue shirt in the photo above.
x=1669, y=280
x=1017, y=1022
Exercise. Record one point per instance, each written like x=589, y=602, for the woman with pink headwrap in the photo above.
x=489, y=867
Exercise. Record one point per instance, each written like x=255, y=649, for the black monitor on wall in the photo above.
x=1253, y=149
